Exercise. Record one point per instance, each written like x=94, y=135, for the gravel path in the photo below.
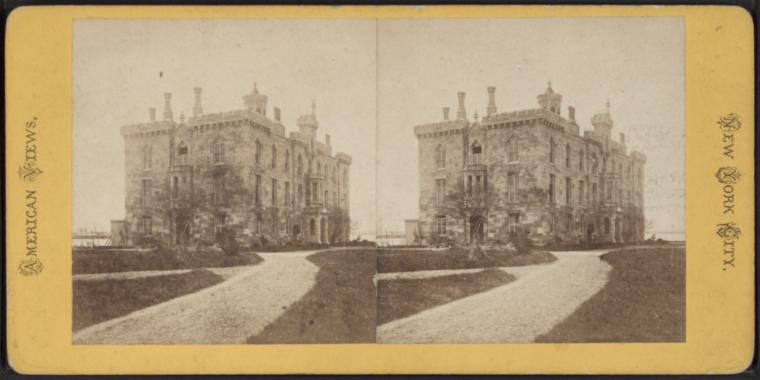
x=515, y=271
x=229, y=312
x=225, y=272
x=517, y=312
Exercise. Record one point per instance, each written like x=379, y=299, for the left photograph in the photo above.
x=224, y=181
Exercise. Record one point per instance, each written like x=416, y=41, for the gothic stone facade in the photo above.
x=530, y=169
x=187, y=180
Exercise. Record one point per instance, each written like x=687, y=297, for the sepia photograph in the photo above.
x=389, y=181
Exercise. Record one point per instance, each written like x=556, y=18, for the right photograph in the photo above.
x=530, y=180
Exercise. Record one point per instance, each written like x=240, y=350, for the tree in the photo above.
x=471, y=204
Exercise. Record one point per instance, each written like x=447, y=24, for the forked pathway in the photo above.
x=517, y=312
x=228, y=312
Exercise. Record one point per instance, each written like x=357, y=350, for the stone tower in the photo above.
x=550, y=100
x=308, y=124
x=602, y=123
x=256, y=101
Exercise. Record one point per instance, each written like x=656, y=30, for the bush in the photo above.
x=520, y=238
x=226, y=240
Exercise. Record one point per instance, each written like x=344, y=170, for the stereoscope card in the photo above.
x=373, y=190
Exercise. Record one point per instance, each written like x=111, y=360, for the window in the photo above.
x=287, y=161
x=440, y=157
x=513, y=221
x=552, y=182
x=319, y=167
x=258, y=223
x=594, y=163
x=287, y=225
x=300, y=194
x=567, y=155
x=287, y=194
x=300, y=165
x=325, y=199
x=594, y=195
x=274, y=157
x=145, y=225
x=581, y=159
x=582, y=193
x=257, y=152
x=512, y=150
x=219, y=221
x=218, y=195
x=512, y=187
x=274, y=224
x=175, y=187
x=568, y=190
x=568, y=222
x=476, y=151
x=218, y=151
x=147, y=157
x=314, y=192
x=274, y=193
x=182, y=154
x=257, y=190
x=440, y=225
x=147, y=185
x=440, y=191
x=312, y=227
x=551, y=150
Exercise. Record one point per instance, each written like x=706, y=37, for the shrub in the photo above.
x=521, y=240
x=226, y=240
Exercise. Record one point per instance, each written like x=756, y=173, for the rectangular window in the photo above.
x=175, y=187
x=275, y=226
x=440, y=225
x=581, y=159
x=513, y=221
x=258, y=223
x=274, y=192
x=300, y=195
x=552, y=183
x=287, y=194
x=326, y=199
x=257, y=190
x=146, y=189
x=512, y=187
x=568, y=190
x=219, y=223
x=314, y=192
x=582, y=193
x=218, y=195
x=146, y=225
x=440, y=191
x=594, y=194
x=567, y=156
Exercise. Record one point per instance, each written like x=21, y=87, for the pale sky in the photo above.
x=117, y=77
x=372, y=82
x=636, y=63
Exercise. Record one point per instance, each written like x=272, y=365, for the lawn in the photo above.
x=644, y=301
x=408, y=260
x=108, y=261
x=340, y=308
x=101, y=300
x=401, y=298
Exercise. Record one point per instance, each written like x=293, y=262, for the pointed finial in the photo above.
x=608, y=106
x=313, y=107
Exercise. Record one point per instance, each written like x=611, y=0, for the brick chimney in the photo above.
x=446, y=113
x=461, y=113
x=152, y=113
x=491, y=109
x=197, y=108
x=571, y=113
x=168, y=106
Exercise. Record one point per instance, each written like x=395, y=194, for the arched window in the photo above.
x=274, y=156
x=218, y=151
x=182, y=153
x=258, y=151
x=567, y=155
x=299, y=169
x=551, y=150
x=147, y=157
x=287, y=161
x=512, y=154
x=477, y=150
x=440, y=157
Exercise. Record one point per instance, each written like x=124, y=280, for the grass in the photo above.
x=340, y=308
x=404, y=297
x=644, y=301
x=401, y=260
x=105, y=261
x=98, y=301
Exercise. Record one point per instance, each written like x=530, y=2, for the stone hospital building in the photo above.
x=532, y=169
x=188, y=179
